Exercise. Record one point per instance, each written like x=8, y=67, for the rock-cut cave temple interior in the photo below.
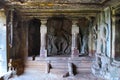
x=59, y=39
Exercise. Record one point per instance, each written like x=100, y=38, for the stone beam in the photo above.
x=58, y=6
x=59, y=1
x=42, y=16
x=53, y=12
x=60, y=10
x=112, y=3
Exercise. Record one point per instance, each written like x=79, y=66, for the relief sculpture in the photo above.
x=59, y=36
x=103, y=36
x=10, y=28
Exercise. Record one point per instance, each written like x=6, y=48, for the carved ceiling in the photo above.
x=45, y=8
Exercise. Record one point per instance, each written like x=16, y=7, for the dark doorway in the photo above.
x=34, y=37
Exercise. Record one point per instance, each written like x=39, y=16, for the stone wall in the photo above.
x=105, y=66
x=16, y=35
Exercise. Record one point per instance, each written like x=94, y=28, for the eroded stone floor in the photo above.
x=41, y=76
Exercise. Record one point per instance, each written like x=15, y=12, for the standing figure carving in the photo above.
x=84, y=34
x=104, y=37
x=95, y=35
x=84, y=44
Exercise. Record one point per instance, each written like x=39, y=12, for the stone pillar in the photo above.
x=113, y=36
x=75, y=31
x=43, y=31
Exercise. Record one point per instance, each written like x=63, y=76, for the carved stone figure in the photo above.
x=84, y=48
x=104, y=37
x=58, y=36
x=10, y=27
x=84, y=33
x=10, y=34
x=10, y=65
x=95, y=35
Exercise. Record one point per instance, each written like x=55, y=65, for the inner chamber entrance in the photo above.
x=34, y=37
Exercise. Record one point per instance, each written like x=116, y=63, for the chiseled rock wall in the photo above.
x=16, y=44
x=105, y=66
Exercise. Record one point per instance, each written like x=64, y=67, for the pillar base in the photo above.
x=43, y=53
x=75, y=52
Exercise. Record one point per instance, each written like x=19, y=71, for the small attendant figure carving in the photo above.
x=10, y=65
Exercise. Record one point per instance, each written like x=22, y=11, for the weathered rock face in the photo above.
x=34, y=37
x=59, y=36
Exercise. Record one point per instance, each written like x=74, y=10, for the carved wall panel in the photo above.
x=34, y=37
x=59, y=36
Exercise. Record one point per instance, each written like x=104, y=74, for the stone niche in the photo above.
x=59, y=36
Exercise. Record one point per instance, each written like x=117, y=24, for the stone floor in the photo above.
x=41, y=76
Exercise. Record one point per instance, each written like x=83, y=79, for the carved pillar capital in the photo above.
x=74, y=21
x=75, y=28
x=43, y=21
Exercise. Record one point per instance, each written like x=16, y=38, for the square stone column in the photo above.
x=75, y=31
x=43, y=31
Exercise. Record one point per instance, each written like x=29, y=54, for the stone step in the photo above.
x=82, y=64
x=28, y=70
x=57, y=58
x=79, y=70
x=32, y=63
x=35, y=66
x=59, y=72
x=37, y=69
x=59, y=65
